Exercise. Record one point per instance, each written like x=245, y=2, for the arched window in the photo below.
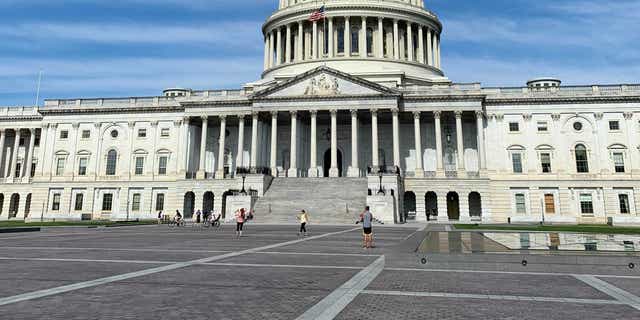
x=112, y=159
x=369, y=40
x=355, y=40
x=582, y=161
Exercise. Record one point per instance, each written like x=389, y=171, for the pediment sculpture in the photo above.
x=322, y=86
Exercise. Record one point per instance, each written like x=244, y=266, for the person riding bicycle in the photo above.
x=214, y=218
x=178, y=217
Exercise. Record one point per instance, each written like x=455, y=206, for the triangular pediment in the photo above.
x=324, y=82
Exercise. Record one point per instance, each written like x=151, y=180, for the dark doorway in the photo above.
x=207, y=202
x=189, y=205
x=327, y=163
x=13, y=205
x=431, y=205
x=409, y=206
x=453, y=206
x=27, y=206
x=475, y=205
x=224, y=204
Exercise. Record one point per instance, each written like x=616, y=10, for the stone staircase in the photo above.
x=327, y=200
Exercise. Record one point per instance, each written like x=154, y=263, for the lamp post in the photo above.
x=380, y=175
x=244, y=177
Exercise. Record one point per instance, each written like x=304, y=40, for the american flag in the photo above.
x=318, y=15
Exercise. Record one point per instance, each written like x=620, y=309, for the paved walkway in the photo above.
x=154, y=272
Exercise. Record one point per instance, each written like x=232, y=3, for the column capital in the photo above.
x=313, y=113
x=222, y=117
x=555, y=116
x=527, y=116
x=274, y=114
x=130, y=124
x=417, y=114
x=333, y=112
x=354, y=112
x=154, y=123
x=97, y=125
x=458, y=114
x=628, y=115
x=437, y=114
x=479, y=113
x=255, y=114
x=395, y=111
x=597, y=115
x=204, y=118
x=374, y=112
x=241, y=116
x=293, y=113
x=186, y=120
x=177, y=122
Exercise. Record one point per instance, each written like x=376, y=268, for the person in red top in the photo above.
x=240, y=217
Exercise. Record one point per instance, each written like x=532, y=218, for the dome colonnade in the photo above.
x=381, y=30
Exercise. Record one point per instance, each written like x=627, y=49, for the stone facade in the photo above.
x=538, y=152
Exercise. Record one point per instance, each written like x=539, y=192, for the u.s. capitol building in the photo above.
x=349, y=110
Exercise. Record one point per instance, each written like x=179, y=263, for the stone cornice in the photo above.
x=489, y=101
x=445, y=97
x=138, y=109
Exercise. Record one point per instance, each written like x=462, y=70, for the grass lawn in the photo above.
x=18, y=223
x=581, y=228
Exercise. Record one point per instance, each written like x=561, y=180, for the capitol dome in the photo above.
x=379, y=40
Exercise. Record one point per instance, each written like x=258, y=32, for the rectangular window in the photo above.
x=542, y=126
x=516, y=159
x=139, y=166
x=18, y=171
x=549, y=203
x=514, y=127
x=82, y=166
x=142, y=133
x=107, y=202
x=521, y=206
x=55, y=206
x=135, y=203
x=33, y=169
x=618, y=162
x=545, y=162
x=160, y=202
x=614, y=125
x=64, y=134
x=623, y=198
x=164, y=132
x=586, y=204
x=60, y=166
x=79, y=201
x=86, y=134
x=162, y=165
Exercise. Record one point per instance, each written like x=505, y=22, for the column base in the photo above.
x=292, y=173
x=200, y=175
x=274, y=172
x=443, y=218
x=419, y=173
x=219, y=175
x=353, y=172
x=313, y=173
x=334, y=173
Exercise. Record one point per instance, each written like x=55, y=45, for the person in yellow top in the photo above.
x=303, y=217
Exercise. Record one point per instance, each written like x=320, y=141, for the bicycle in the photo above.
x=173, y=223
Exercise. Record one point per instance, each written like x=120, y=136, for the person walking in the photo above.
x=198, y=214
x=303, y=217
x=240, y=217
x=160, y=217
x=367, y=228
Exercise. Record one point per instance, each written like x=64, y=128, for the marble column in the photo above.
x=279, y=47
x=287, y=45
x=380, y=38
x=300, y=42
x=460, y=141
x=266, y=52
x=274, y=144
x=293, y=152
x=314, y=39
x=203, y=148
x=333, y=171
x=3, y=135
x=14, y=156
x=480, y=124
x=254, y=140
x=410, y=50
x=221, y=142
x=363, y=38
x=396, y=138
x=439, y=165
x=313, y=163
x=429, y=48
x=271, y=48
x=240, y=157
x=185, y=147
x=419, y=171
x=347, y=37
x=375, y=161
x=354, y=171
x=32, y=144
x=396, y=40
x=420, y=44
x=329, y=36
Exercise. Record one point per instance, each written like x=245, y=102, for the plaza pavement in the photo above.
x=155, y=272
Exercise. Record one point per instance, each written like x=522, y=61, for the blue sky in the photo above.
x=110, y=48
